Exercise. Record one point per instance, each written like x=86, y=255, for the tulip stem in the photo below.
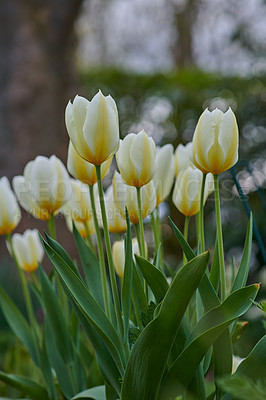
x=157, y=234
x=109, y=253
x=202, y=240
x=142, y=240
x=100, y=254
x=219, y=236
x=51, y=227
x=186, y=235
x=88, y=237
x=141, y=228
x=155, y=231
x=24, y=286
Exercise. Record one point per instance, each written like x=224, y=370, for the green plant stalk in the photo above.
x=186, y=225
x=155, y=231
x=51, y=227
x=100, y=253
x=202, y=240
x=136, y=226
x=26, y=293
x=109, y=253
x=141, y=228
x=159, y=235
x=141, y=234
x=88, y=238
x=219, y=236
x=61, y=294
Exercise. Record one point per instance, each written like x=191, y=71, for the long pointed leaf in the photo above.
x=242, y=273
x=151, y=350
x=89, y=307
x=95, y=393
x=90, y=266
x=210, y=300
x=189, y=253
x=254, y=366
x=25, y=385
x=60, y=367
x=56, y=320
x=202, y=337
x=18, y=324
x=127, y=280
x=154, y=278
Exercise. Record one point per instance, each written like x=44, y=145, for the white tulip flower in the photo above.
x=10, y=214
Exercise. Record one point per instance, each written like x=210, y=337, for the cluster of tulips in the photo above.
x=145, y=179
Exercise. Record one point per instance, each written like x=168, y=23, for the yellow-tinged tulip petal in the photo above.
x=136, y=159
x=93, y=127
x=83, y=170
x=187, y=189
x=183, y=157
x=116, y=223
x=45, y=188
x=164, y=173
x=28, y=249
x=22, y=188
x=10, y=214
x=118, y=251
x=78, y=206
x=126, y=196
x=215, y=141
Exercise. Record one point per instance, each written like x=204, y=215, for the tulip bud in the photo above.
x=44, y=187
x=116, y=223
x=126, y=196
x=93, y=127
x=28, y=249
x=164, y=172
x=78, y=207
x=136, y=159
x=236, y=362
x=10, y=214
x=215, y=141
x=83, y=170
x=187, y=190
x=183, y=157
x=118, y=251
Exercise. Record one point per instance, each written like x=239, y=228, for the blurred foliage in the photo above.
x=168, y=106
x=243, y=388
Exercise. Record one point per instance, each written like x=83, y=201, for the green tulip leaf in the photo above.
x=88, y=305
x=154, y=278
x=209, y=298
x=127, y=280
x=62, y=253
x=18, y=324
x=57, y=362
x=95, y=393
x=189, y=253
x=90, y=266
x=205, y=333
x=254, y=366
x=243, y=270
x=149, y=356
x=25, y=386
x=56, y=319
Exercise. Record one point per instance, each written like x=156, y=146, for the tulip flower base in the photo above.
x=116, y=324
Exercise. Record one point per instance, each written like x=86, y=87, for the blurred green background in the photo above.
x=163, y=62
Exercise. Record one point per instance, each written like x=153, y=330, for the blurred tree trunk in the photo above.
x=37, y=78
x=184, y=17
